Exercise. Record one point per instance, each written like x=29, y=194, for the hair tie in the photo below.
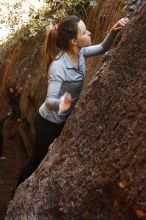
x=56, y=28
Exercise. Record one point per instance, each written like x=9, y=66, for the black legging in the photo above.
x=46, y=132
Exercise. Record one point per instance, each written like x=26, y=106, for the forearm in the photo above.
x=99, y=48
x=107, y=42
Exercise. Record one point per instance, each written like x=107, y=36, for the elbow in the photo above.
x=52, y=104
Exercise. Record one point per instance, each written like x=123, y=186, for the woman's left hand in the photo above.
x=120, y=24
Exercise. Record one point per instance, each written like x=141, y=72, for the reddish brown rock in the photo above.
x=103, y=144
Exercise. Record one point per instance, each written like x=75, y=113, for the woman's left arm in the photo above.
x=107, y=42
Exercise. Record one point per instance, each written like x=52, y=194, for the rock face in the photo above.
x=96, y=169
x=100, y=20
x=24, y=63
x=24, y=66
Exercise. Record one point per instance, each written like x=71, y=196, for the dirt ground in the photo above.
x=9, y=168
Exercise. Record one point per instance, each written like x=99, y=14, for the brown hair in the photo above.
x=60, y=37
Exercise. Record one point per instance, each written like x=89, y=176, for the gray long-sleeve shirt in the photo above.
x=64, y=77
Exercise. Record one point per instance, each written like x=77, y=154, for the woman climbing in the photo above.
x=66, y=75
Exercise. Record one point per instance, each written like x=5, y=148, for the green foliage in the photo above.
x=23, y=26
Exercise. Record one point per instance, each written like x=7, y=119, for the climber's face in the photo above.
x=83, y=38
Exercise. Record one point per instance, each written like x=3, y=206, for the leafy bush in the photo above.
x=22, y=19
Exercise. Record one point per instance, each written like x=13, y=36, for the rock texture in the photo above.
x=20, y=69
x=23, y=65
x=100, y=20
x=96, y=169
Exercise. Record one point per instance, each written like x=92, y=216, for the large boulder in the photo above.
x=96, y=169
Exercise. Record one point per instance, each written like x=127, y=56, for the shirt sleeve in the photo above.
x=54, y=85
x=99, y=48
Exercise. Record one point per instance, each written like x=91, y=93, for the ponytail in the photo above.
x=59, y=37
x=50, y=46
